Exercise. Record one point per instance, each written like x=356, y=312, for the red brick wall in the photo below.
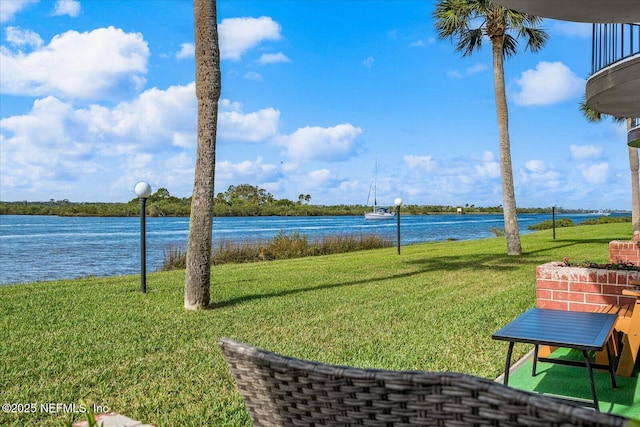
x=629, y=251
x=579, y=288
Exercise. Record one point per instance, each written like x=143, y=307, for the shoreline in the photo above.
x=77, y=247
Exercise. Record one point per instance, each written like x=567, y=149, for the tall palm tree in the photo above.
x=595, y=116
x=469, y=22
x=208, y=87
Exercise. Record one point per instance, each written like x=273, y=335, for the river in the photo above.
x=41, y=248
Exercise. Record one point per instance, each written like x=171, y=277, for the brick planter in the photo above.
x=579, y=288
x=584, y=289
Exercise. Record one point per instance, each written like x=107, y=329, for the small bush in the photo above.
x=282, y=246
x=618, y=265
x=605, y=220
x=497, y=231
x=174, y=258
x=548, y=224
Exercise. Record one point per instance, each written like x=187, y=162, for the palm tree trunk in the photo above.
x=635, y=187
x=508, y=193
x=208, y=87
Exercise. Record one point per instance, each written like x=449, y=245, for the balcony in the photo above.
x=614, y=85
x=633, y=136
x=591, y=11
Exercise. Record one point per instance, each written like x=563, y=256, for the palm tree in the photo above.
x=595, y=116
x=468, y=22
x=208, y=87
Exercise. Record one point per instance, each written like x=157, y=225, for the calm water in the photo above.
x=38, y=248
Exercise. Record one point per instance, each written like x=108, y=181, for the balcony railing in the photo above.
x=635, y=123
x=613, y=43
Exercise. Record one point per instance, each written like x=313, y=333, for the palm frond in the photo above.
x=468, y=21
x=451, y=17
x=532, y=20
x=510, y=46
x=536, y=38
x=514, y=19
x=470, y=41
x=589, y=113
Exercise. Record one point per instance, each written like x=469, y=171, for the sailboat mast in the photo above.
x=375, y=185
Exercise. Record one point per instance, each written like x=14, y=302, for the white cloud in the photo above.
x=235, y=125
x=457, y=180
x=55, y=147
x=538, y=179
x=422, y=163
x=549, y=83
x=8, y=9
x=237, y=35
x=155, y=117
x=595, y=174
x=40, y=149
x=581, y=152
x=319, y=181
x=23, y=38
x=537, y=170
x=187, y=50
x=100, y=64
x=137, y=161
x=179, y=171
x=246, y=171
x=317, y=143
x=369, y=62
x=489, y=166
x=273, y=58
x=67, y=7
x=320, y=176
x=536, y=166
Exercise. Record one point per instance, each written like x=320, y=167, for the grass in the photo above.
x=100, y=341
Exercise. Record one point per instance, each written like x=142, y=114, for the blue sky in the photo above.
x=97, y=95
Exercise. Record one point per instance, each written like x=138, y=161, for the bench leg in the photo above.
x=610, y=365
x=602, y=357
x=630, y=344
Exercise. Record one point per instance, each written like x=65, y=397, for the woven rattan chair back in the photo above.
x=284, y=391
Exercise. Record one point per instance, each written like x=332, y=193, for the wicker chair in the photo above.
x=283, y=391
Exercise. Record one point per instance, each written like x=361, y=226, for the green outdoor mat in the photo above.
x=573, y=382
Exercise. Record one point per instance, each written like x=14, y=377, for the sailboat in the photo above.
x=378, y=212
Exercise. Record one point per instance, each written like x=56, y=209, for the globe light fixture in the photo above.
x=143, y=191
x=398, y=202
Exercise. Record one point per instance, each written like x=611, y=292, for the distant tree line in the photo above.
x=241, y=200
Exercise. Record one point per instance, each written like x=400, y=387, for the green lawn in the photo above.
x=432, y=308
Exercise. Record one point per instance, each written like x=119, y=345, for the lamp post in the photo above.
x=553, y=221
x=143, y=191
x=398, y=202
